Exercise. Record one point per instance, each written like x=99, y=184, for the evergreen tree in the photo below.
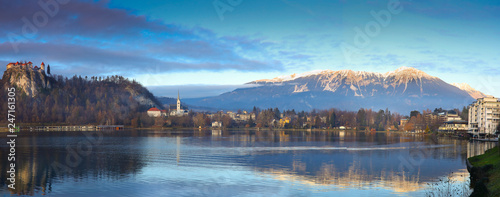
x=333, y=119
x=465, y=114
x=48, y=69
x=361, y=117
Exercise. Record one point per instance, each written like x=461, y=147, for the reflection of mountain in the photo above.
x=368, y=159
x=328, y=175
x=134, y=160
x=36, y=157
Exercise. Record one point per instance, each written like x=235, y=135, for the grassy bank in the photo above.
x=486, y=171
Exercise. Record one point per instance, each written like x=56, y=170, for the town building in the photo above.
x=454, y=126
x=217, y=124
x=26, y=66
x=484, y=116
x=403, y=122
x=154, y=112
x=246, y=116
x=449, y=116
x=178, y=110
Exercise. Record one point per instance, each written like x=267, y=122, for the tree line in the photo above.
x=110, y=100
x=77, y=100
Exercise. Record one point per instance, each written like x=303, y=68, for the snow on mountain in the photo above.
x=401, y=74
x=291, y=77
x=328, y=80
x=471, y=91
x=402, y=90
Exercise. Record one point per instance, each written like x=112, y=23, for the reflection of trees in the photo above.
x=35, y=174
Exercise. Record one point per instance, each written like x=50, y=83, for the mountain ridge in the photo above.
x=403, y=89
x=472, y=92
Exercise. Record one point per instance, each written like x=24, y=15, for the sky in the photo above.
x=205, y=48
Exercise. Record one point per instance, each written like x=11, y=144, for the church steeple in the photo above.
x=178, y=102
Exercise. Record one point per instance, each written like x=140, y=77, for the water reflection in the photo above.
x=478, y=148
x=179, y=161
x=41, y=161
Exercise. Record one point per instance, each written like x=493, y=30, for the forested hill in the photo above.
x=51, y=99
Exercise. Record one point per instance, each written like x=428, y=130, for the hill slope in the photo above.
x=42, y=98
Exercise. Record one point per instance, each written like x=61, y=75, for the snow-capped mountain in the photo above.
x=471, y=91
x=402, y=90
x=356, y=83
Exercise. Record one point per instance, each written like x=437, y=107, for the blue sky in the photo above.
x=205, y=49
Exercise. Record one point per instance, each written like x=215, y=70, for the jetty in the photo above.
x=486, y=139
x=72, y=128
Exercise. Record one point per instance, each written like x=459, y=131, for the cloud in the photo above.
x=86, y=60
x=88, y=38
x=84, y=18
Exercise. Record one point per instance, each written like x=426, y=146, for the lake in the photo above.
x=238, y=163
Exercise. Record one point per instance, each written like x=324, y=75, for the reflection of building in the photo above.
x=484, y=115
x=478, y=148
x=178, y=110
x=178, y=152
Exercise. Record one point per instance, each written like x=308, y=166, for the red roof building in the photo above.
x=154, y=112
x=154, y=109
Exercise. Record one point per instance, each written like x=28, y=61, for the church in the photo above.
x=178, y=110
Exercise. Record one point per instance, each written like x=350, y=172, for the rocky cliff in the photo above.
x=29, y=81
x=42, y=98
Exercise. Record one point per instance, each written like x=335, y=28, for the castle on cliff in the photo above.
x=26, y=66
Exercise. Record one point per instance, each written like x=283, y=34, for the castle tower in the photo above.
x=42, y=66
x=178, y=102
x=10, y=65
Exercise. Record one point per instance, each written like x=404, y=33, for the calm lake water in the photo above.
x=237, y=163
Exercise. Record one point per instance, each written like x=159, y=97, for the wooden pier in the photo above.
x=72, y=128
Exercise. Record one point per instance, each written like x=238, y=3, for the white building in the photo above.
x=455, y=126
x=484, y=115
x=217, y=124
x=178, y=111
x=154, y=112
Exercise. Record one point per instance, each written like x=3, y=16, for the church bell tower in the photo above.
x=178, y=103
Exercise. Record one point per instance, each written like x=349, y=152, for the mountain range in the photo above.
x=402, y=90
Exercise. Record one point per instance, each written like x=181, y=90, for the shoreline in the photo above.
x=5, y=129
x=485, y=173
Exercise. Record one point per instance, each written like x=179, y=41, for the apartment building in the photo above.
x=484, y=115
